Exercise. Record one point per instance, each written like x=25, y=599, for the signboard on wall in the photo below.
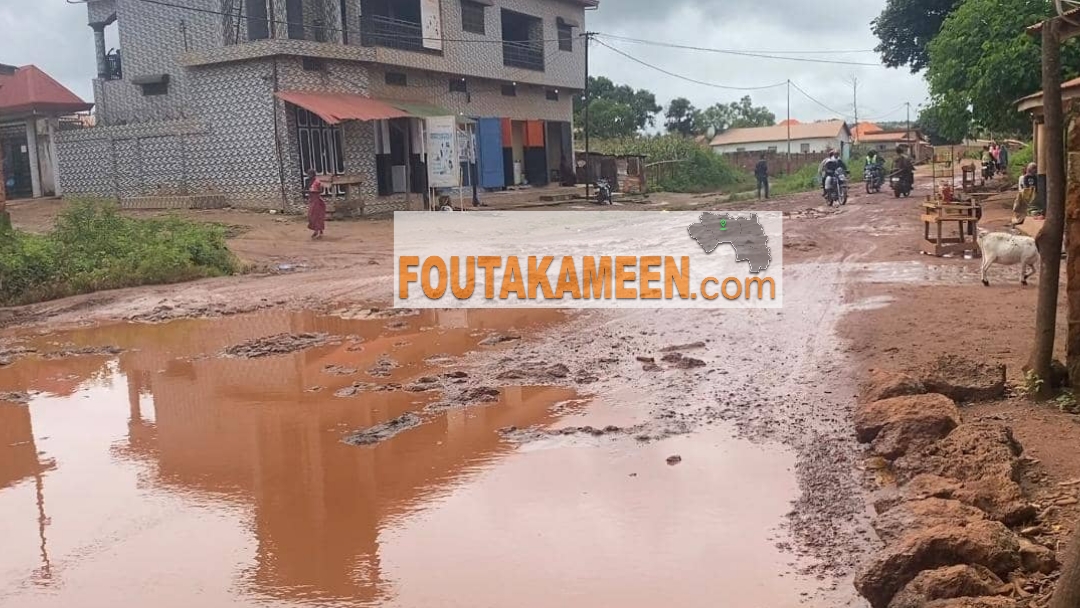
x=442, y=153
x=431, y=22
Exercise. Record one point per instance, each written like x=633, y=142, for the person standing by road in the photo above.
x=316, y=206
x=761, y=172
x=1003, y=157
x=1025, y=197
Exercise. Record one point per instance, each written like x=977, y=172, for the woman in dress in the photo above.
x=316, y=206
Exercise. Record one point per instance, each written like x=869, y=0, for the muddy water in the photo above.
x=170, y=475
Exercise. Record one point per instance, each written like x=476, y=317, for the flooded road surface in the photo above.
x=171, y=475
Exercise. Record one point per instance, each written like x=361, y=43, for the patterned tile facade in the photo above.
x=220, y=131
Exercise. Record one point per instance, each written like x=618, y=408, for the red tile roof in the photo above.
x=28, y=90
x=812, y=130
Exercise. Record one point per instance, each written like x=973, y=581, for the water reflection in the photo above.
x=162, y=445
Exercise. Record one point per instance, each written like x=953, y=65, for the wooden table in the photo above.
x=966, y=215
x=350, y=203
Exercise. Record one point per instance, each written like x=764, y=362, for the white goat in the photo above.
x=1008, y=250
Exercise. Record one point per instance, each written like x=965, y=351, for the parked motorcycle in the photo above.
x=874, y=178
x=836, y=190
x=901, y=185
x=603, y=192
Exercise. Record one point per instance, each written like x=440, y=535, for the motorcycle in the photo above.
x=900, y=184
x=874, y=178
x=988, y=169
x=836, y=190
x=603, y=192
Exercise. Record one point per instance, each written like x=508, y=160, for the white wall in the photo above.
x=819, y=145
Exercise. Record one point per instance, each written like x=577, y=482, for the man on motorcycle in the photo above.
x=903, y=167
x=872, y=159
x=829, y=167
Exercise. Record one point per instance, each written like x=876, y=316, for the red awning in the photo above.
x=337, y=107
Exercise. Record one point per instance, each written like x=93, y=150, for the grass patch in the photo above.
x=92, y=247
x=699, y=168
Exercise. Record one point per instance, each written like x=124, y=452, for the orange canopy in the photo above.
x=337, y=107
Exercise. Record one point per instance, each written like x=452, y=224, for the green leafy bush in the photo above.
x=698, y=169
x=93, y=247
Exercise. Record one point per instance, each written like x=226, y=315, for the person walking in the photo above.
x=1003, y=157
x=316, y=206
x=761, y=172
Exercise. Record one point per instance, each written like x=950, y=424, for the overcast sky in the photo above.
x=53, y=35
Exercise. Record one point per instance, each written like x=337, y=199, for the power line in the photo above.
x=811, y=98
x=887, y=114
x=686, y=78
x=760, y=55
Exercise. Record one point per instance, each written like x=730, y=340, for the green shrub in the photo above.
x=699, y=168
x=93, y=247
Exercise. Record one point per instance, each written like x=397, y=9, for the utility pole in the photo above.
x=855, y=103
x=588, y=101
x=1049, y=239
x=907, y=135
x=787, y=167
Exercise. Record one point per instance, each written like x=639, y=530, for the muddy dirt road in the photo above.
x=345, y=456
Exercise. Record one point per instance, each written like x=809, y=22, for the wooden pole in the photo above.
x=1048, y=241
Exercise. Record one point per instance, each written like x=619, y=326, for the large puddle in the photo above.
x=171, y=476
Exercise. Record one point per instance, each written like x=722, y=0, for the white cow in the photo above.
x=1008, y=250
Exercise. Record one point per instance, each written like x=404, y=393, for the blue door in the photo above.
x=489, y=141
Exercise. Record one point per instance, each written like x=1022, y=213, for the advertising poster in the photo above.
x=431, y=18
x=442, y=160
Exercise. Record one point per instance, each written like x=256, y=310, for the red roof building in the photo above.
x=31, y=102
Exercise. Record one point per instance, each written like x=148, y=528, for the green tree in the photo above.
x=717, y=117
x=982, y=61
x=611, y=120
x=680, y=116
x=906, y=27
x=639, y=105
x=945, y=122
x=749, y=115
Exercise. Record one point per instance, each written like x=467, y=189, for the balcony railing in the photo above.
x=527, y=55
x=391, y=33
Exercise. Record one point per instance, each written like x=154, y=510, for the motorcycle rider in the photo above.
x=903, y=167
x=829, y=167
x=874, y=163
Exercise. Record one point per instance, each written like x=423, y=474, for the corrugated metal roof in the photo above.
x=1069, y=90
x=809, y=130
x=31, y=91
x=890, y=136
x=337, y=107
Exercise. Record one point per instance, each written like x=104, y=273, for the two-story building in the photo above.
x=239, y=98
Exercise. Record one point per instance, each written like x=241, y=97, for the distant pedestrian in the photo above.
x=316, y=206
x=1003, y=158
x=761, y=172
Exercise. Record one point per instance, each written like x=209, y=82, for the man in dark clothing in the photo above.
x=761, y=172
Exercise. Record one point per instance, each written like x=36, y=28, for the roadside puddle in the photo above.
x=173, y=474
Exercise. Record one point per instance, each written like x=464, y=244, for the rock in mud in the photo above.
x=674, y=460
x=671, y=358
x=557, y=371
x=689, y=363
x=494, y=339
x=886, y=385
x=1036, y=558
x=651, y=367
x=644, y=359
x=383, y=367
x=972, y=451
x=279, y=344
x=338, y=370
x=948, y=583
x=466, y=397
x=917, y=515
x=15, y=397
x=385, y=430
x=85, y=351
x=678, y=347
x=1000, y=498
x=965, y=380
x=981, y=542
x=935, y=414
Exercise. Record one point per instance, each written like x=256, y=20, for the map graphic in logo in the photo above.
x=745, y=235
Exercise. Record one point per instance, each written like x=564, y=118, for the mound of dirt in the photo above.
x=278, y=344
x=465, y=397
x=15, y=397
x=964, y=380
x=973, y=602
x=385, y=430
x=917, y=515
x=936, y=415
x=8, y=354
x=948, y=583
x=1000, y=498
x=979, y=542
x=886, y=385
x=972, y=451
x=83, y=351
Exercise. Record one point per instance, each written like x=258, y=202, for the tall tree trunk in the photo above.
x=1049, y=238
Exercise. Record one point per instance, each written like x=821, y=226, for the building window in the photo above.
x=321, y=145
x=155, y=88
x=472, y=17
x=552, y=94
x=509, y=90
x=396, y=79
x=772, y=149
x=311, y=64
x=566, y=36
x=523, y=41
x=739, y=150
x=459, y=85
x=804, y=148
x=258, y=22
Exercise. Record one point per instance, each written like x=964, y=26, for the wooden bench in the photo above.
x=938, y=214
